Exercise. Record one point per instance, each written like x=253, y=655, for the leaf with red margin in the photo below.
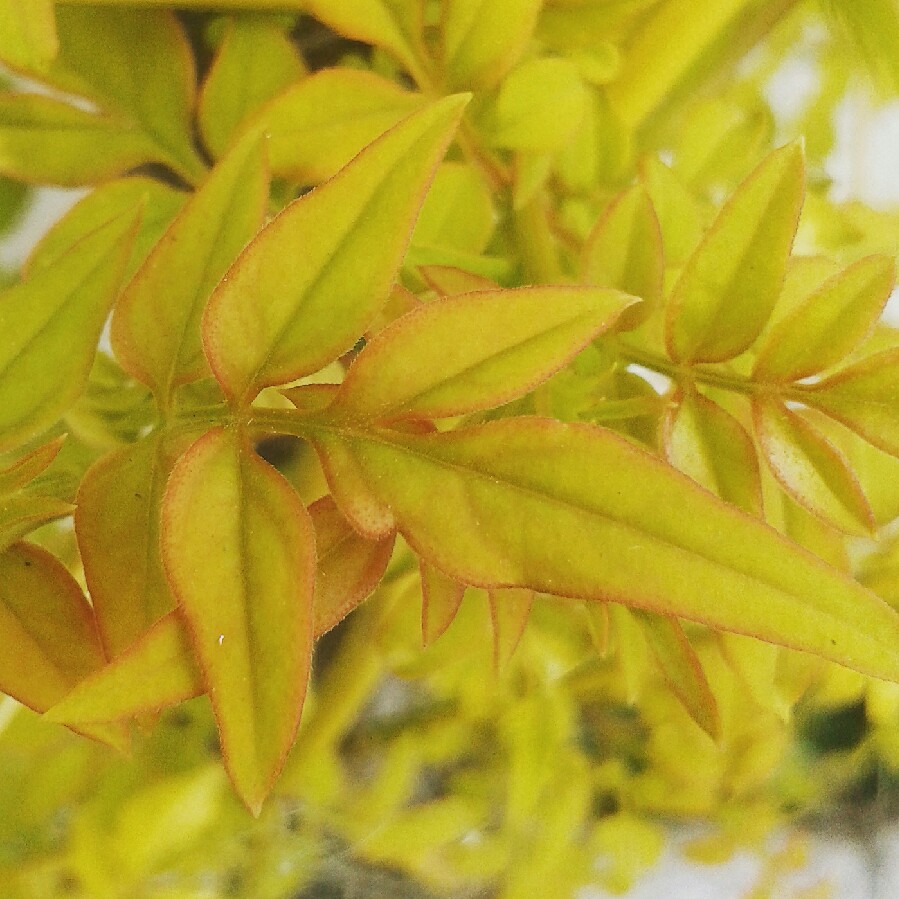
x=624, y=251
x=49, y=327
x=307, y=287
x=449, y=281
x=349, y=566
x=156, y=324
x=239, y=551
x=156, y=671
x=117, y=526
x=830, y=323
x=48, y=633
x=730, y=284
x=573, y=510
x=707, y=443
x=441, y=597
x=682, y=670
x=865, y=398
x=318, y=125
x=810, y=468
x=475, y=351
x=510, y=609
x=29, y=466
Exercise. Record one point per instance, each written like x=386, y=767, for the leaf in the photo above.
x=48, y=633
x=624, y=251
x=137, y=64
x=441, y=597
x=449, y=281
x=27, y=34
x=26, y=510
x=831, y=322
x=712, y=447
x=729, y=285
x=154, y=672
x=573, y=510
x=389, y=24
x=510, y=609
x=482, y=39
x=160, y=204
x=318, y=125
x=682, y=670
x=49, y=326
x=239, y=552
x=810, y=468
x=502, y=344
x=117, y=525
x=349, y=566
x=864, y=397
x=26, y=468
x=156, y=324
x=539, y=106
x=277, y=317
x=255, y=61
x=46, y=141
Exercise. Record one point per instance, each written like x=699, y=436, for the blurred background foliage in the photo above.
x=428, y=772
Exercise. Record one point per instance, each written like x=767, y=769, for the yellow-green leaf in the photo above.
x=682, y=669
x=156, y=671
x=46, y=141
x=482, y=39
x=831, y=322
x=306, y=288
x=255, y=61
x=729, y=285
x=319, y=124
x=441, y=597
x=539, y=106
x=712, y=447
x=27, y=34
x=49, y=636
x=510, y=609
x=349, y=566
x=475, y=351
x=810, y=468
x=865, y=398
x=156, y=325
x=117, y=525
x=160, y=204
x=26, y=510
x=26, y=468
x=49, y=326
x=574, y=510
x=138, y=65
x=449, y=281
x=239, y=552
x=624, y=251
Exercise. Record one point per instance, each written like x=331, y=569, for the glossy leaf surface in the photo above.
x=49, y=326
x=573, y=510
x=494, y=346
x=729, y=285
x=239, y=551
x=279, y=315
x=156, y=326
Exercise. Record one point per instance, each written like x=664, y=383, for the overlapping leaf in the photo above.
x=574, y=511
x=728, y=288
x=239, y=551
x=441, y=597
x=811, y=468
x=156, y=325
x=494, y=346
x=510, y=609
x=255, y=61
x=318, y=125
x=278, y=315
x=49, y=326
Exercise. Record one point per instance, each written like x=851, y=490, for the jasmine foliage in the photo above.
x=391, y=287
